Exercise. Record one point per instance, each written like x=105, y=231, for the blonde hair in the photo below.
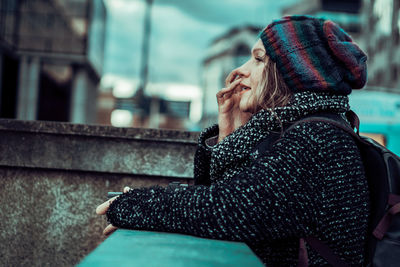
x=273, y=91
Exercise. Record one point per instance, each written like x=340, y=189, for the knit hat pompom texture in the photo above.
x=314, y=54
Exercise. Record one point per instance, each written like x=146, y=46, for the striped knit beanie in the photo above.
x=314, y=54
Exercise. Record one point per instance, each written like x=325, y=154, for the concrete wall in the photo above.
x=53, y=175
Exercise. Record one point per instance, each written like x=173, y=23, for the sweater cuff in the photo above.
x=206, y=136
x=212, y=141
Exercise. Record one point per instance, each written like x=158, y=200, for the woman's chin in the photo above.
x=247, y=109
x=244, y=108
x=247, y=105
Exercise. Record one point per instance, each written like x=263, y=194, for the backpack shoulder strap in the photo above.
x=351, y=126
x=331, y=118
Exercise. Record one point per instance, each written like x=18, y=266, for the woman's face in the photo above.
x=251, y=73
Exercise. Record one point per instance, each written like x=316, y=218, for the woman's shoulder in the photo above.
x=318, y=131
x=318, y=137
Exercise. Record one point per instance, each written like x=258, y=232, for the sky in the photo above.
x=181, y=32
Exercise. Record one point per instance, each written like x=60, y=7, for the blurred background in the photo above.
x=159, y=63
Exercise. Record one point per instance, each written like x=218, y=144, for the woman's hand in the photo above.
x=102, y=210
x=230, y=117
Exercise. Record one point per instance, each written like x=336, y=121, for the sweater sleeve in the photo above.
x=203, y=156
x=277, y=197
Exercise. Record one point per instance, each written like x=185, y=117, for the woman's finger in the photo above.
x=222, y=96
x=109, y=229
x=226, y=93
x=231, y=77
x=235, y=83
x=229, y=90
x=102, y=208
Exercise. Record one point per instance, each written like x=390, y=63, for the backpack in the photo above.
x=382, y=169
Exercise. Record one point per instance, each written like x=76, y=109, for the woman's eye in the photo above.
x=259, y=59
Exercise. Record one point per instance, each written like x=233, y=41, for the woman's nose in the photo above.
x=242, y=71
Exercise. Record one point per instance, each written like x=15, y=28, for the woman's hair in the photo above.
x=274, y=91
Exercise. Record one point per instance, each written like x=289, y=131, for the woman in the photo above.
x=309, y=182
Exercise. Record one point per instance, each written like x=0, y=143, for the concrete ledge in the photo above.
x=93, y=148
x=141, y=248
x=65, y=128
x=53, y=175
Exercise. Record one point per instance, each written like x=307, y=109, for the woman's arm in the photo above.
x=276, y=197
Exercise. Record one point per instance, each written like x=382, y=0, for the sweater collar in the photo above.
x=231, y=154
x=301, y=105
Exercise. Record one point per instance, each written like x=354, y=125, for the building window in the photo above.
x=54, y=99
x=342, y=6
x=8, y=85
x=394, y=73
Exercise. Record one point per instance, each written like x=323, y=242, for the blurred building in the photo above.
x=173, y=106
x=51, y=58
x=347, y=13
x=105, y=106
x=163, y=105
x=226, y=53
x=382, y=38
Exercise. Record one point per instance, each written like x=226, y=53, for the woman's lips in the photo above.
x=244, y=89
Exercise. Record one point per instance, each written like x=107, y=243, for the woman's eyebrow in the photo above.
x=256, y=50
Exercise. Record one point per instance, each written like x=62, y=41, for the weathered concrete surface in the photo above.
x=96, y=148
x=141, y=248
x=53, y=175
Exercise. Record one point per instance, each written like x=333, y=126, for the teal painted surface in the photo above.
x=390, y=131
x=379, y=113
x=141, y=248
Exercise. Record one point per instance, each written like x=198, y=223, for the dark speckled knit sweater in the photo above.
x=310, y=183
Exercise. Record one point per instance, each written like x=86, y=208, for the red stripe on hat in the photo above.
x=305, y=57
x=273, y=41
